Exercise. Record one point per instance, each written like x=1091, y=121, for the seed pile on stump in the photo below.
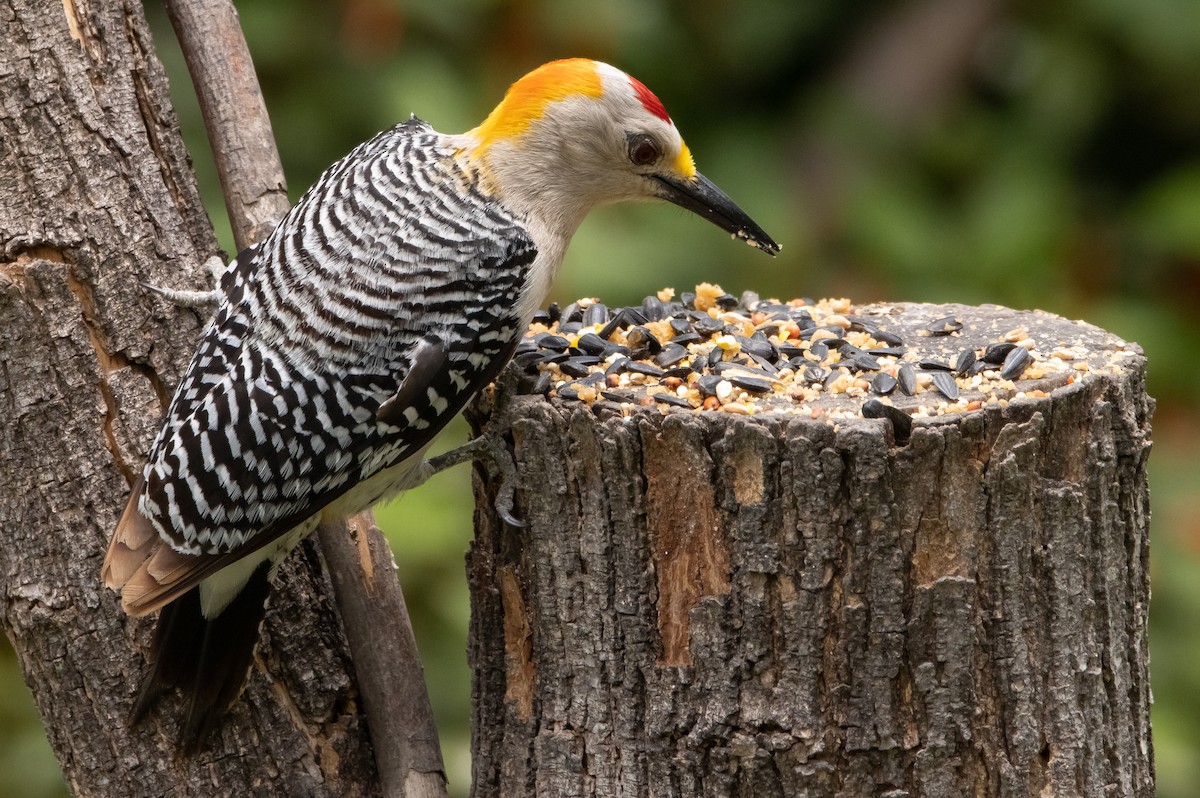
x=709, y=350
x=860, y=550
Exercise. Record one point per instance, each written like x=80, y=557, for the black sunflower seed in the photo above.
x=906, y=378
x=864, y=362
x=883, y=383
x=652, y=308
x=596, y=313
x=889, y=338
x=592, y=344
x=671, y=399
x=688, y=298
x=670, y=355
x=996, y=353
x=901, y=422
x=686, y=338
x=945, y=326
x=550, y=341
x=966, y=359
x=887, y=351
x=528, y=360
x=716, y=356
x=569, y=391
x=1015, y=363
x=542, y=317
x=815, y=374
x=554, y=312
x=708, y=384
x=617, y=366
x=748, y=383
x=682, y=372
x=933, y=365
x=572, y=313
x=541, y=385
x=579, y=366
x=764, y=364
x=680, y=326
x=649, y=369
x=726, y=301
x=757, y=344
x=944, y=382
x=638, y=337
x=708, y=325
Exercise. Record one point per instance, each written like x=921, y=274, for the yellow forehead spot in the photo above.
x=526, y=100
x=684, y=163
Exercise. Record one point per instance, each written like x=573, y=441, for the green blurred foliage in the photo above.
x=1052, y=163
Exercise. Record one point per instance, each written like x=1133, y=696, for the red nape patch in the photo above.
x=649, y=101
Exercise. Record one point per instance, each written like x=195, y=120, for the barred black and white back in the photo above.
x=342, y=344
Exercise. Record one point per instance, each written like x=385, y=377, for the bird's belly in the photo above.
x=384, y=485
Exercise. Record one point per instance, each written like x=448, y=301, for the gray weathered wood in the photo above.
x=98, y=199
x=705, y=604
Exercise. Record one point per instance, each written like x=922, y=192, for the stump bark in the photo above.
x=709, y=604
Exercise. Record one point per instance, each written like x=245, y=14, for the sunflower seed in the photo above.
x=1015, y=363
x=966, y=359
x=901, y=422
x=906, y=378
x=944, y=382
x=671, y=399
x=638, y=337
x=670, y=355
x=596, y=313
x=945, y=326
x=578, y=366
x=749, y=383
x=652, y=308
x=883, y=383
x=638, y=367
x=995, y=353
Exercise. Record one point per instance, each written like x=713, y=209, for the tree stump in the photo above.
x=803, y=601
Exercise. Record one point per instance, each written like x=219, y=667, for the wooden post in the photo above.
x=774, y=605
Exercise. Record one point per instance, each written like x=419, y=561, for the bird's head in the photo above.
x=577, y=133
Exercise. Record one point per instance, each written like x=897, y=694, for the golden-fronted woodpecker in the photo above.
x=396, y=288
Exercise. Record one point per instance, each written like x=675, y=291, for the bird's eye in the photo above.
x=642, y=150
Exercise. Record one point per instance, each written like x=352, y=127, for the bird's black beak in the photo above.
x=701, y=196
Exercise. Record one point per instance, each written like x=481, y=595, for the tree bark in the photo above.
x=708, y=604
x=98, y=199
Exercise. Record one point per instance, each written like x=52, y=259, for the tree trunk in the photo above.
x=99, y=198
x=709, y=604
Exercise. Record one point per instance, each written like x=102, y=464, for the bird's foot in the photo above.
x=490, y=449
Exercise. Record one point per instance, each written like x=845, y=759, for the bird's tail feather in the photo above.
x=207, y=659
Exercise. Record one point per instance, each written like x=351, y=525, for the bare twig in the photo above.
x=388, y=665
x=360, y=562
x=235, y=115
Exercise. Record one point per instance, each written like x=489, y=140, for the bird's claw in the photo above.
x=490, y=450
x=193, y=299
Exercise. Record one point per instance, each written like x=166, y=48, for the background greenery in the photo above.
x=1025, y=153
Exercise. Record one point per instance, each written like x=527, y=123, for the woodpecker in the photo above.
x=396, y=288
